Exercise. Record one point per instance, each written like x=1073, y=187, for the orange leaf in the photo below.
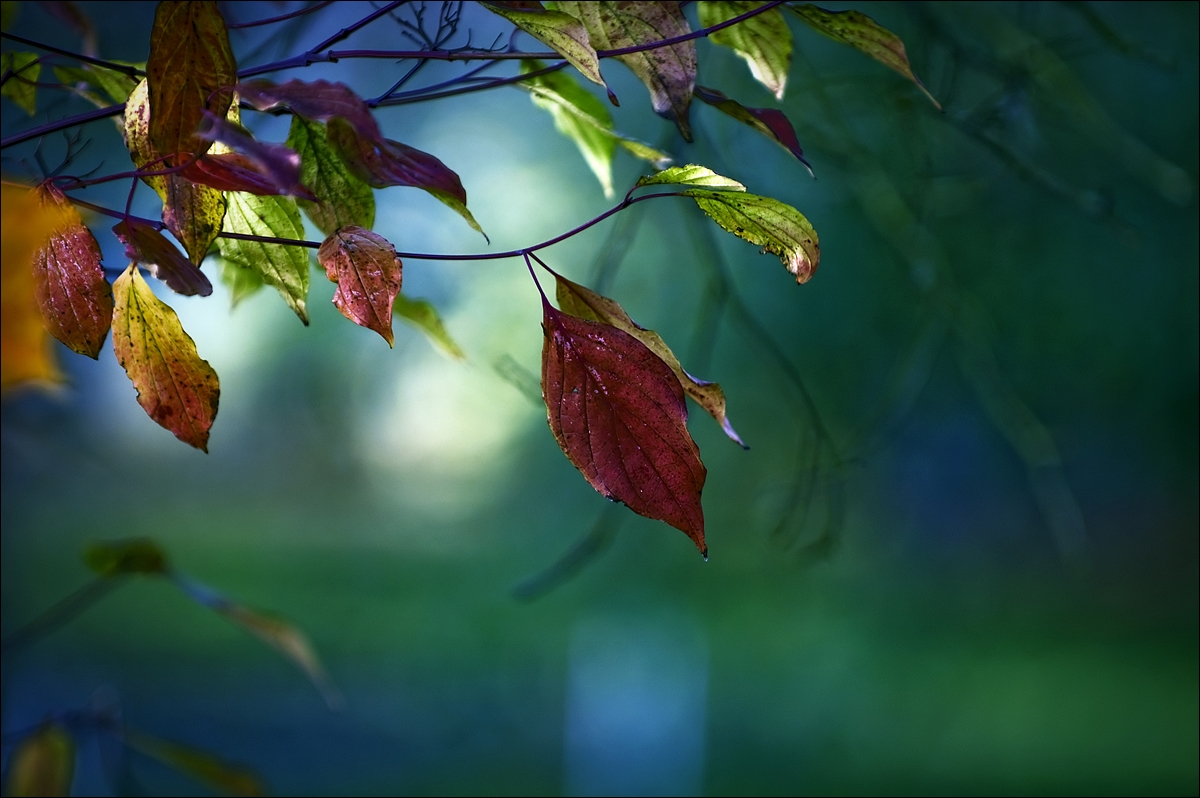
x=25, y=349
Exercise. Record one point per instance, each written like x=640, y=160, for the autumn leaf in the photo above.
x=200, y=765
x=764, y=40
x=20, y=86
x=144, y=244
x=342, y=197
x=420, y=313
x=133, y=556
x=190, y=70
x=769, y=223
x=69, y=284
x=26, y=353
x=563, y=33
x=43, y=763
x=690, y=175
x=284, y=267
x=618, y=413
x=317, y=101
x=276, y=165
x=771, y=122
x=864, y=34
x=175, y=387
x=368, y=274
x=668, y=72
x=585, y=303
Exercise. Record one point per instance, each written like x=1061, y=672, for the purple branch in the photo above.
x=280, y=18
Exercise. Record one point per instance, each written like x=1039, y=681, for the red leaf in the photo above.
x=771, y=122
x=233, y=171
x=318, y=101
x=618, y=413
x=276, y=165
x=75, y=299
x=146, y=245
x=367, y=272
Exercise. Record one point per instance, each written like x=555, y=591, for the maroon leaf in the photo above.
x=771, y=122
x=275, y=164
x=233, y=171
x=318, y=101
x=618, y=413
x=75, y=299
x=368, y=274
x=146, y=245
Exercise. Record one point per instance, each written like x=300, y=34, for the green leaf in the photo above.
x=133, y=556
x=284, y=267
x=764, y=40
x=424, y=316
x=345, y=199
x=8, y=13
x=200, y=765
x=865, y=34
x=563, y=33
x=43, y=763
x=241, y=281
x=690, y=175
x=117, y=85
x=19, y=88
x=767, y=222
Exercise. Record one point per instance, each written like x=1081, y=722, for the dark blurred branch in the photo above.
x=59, y=615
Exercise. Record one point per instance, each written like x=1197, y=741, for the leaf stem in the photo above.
x=59, y=615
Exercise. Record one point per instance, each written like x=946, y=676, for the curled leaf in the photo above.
x=21, y=85
x=26, y=224
x=276, y=164
x=769, y=223
x=318, y=101
x=200, y=765
x=43, y=763
x=585, y=303
x=175, y=386
x=618, y=413
x=771, y=122
x=563, y=33
x=144, y=244
x=690, y=175
x=420, y=313
x=134, y=556
x=368, y=274
x=864, y=34
x=284, y=267
x=763, y=40
x=342, y=197
x=69, y=284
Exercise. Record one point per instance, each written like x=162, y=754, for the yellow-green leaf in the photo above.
x=19, y=87
x=764, y=40
x=576, y=300
x=690, y=175
x=344, y=198
x=175, y=386
x=200, y=765
x=284, y=267
x=563, y=33
x=42, y=764
x=769, y=223
x=865, y=34
x=117, y=85
x=133, y=556
x=241, y=281
x=420, y=313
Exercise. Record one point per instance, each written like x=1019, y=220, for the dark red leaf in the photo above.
x=233, y=171
x=276, y=164
x=75, y=299
x=618, y=413
x=368, y=274
x=146, y=245
x=318, y=101
x=771, y=122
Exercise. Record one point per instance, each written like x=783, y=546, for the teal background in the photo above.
x=954, y=634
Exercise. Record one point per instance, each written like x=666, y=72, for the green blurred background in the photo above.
x=1001, y=342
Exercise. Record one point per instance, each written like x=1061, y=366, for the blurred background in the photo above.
x=959, y=556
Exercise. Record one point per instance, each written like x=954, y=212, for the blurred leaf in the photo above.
x=865, y=34
x=563, y=33
x=690, y=175
x=284, y=267
x=69, y=284
x=618, y=413
x=764, y=40
x=25, y=68
x=767, y=222
x=175, y=386
x=240, y=280
x=144, y=244
x=200, y=765
x=26, y=225
x=117, y=85
x=368, y=274
x=424, y=316
x=770, y=122
x=584, y=303
x=278, y=164
x=8, y=13
x=42, y=764
x=317, y=101
x=343, y=198
x=133, y=556
x=519, y=377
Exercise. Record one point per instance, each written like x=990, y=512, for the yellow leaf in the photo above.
x=200, y=765
x=42, y=764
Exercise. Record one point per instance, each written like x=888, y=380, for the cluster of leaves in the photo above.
x=614, y=391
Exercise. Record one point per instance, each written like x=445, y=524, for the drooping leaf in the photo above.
x=43, y=763
x=420, y=313
x=343, y=198
x=241, y=281
x=69, y=284
x=200, y=765
x=133, y=556
x=26, y=349
x=368, y=274
x=190, y=70
x=668, y=72
x=20, y=86
x=764, y=40
x=175, y=386
x=618, y=413
x=137, y=136
x=318, y=101
x=771, y=122
x=690, y=175
x=284, y=267
x=277, y=164
x=585, y=303
x=383, y=162
x=231, y=172
x=144, y=244
x=280, y=635
x=563, y=33
x=767, y=222
x=864, y=34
